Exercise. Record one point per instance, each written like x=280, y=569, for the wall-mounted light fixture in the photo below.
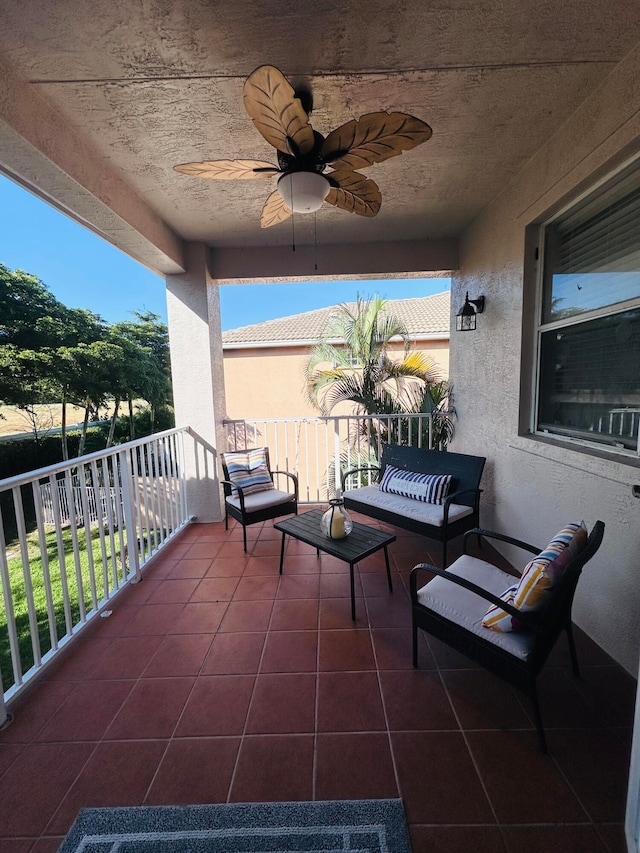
x=466, y=316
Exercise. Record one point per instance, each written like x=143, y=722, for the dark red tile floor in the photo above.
x=217, y=680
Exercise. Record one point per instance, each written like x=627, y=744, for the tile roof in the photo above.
x=423, y=317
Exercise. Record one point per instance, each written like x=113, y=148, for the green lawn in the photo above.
x=76, y=592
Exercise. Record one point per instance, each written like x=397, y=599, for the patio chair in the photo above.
x=249, y=490
x=454, y=605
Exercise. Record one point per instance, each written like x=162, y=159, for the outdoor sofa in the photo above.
x=413, y=491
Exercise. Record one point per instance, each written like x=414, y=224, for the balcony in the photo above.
x=215, y=679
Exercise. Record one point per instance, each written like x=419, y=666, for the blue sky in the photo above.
x=84, y=271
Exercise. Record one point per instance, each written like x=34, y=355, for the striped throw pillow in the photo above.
x=542, y=573
x=429, y=488
x=498, y=619
x=539, y=577
x=249, y=470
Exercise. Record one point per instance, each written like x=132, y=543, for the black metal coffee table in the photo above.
x=360, y=543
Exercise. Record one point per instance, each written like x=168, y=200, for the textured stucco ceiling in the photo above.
x=149, y=84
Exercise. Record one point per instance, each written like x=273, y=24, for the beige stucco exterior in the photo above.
x=268, y=382
x=531, y=486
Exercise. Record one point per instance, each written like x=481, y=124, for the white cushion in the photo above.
x=465, y=608
x=407, y=507
x=261, y=500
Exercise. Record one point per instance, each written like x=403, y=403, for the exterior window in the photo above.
x=353, y=362
x=589, y=329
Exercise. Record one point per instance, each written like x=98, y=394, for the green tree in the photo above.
x=89, y=369
x=51, y=353
x=437, y=401
x=354, y=362
x=37, y=333
x=26, y=305
x=150, y=374
x=25, y=381
x=80, y=329
x=33, y=325
x=361, y=368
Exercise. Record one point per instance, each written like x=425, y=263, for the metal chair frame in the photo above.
x=247, y=517
x=545, y=625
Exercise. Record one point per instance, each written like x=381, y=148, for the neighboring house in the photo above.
x=264, y=363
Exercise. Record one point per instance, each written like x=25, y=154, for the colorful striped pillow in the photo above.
x=428, y=488
x=539, y=577
x=542, y=573
x=249, y=470
x=498, y=619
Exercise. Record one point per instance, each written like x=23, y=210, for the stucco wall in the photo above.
x=193, y=310
x=269, y=382
x=531, y=487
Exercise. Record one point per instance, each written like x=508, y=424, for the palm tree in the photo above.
x=360, y=368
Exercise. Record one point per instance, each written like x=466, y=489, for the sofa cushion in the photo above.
x=249, y=470
x=539, y=577
x=433, y=514
x=429, y=488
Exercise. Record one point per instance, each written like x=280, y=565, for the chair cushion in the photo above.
x=465, y=608
x=429, y=488
x=539, y=577
x=261, y=500
x=425, y=513
x=249, y=470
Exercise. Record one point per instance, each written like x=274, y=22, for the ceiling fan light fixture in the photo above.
x=303, y=192
x=281, y=116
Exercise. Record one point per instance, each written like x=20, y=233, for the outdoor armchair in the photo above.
x=250, y=494
x=455, y=603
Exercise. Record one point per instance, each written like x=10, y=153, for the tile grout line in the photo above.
x=467, y=744
x=255, y=680
x=171, y=737
x=97, y=743
x=316, y=710
x=384, y=704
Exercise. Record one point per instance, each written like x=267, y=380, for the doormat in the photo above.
x=366, y=826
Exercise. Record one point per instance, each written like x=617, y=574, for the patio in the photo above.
x=217, y=680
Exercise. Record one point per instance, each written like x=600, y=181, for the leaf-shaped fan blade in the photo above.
x=355, y=193
x=372, y=138
x=229, y=170
x=274, y=210
x=276, y=112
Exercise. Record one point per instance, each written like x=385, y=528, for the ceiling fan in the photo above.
x=304, y=155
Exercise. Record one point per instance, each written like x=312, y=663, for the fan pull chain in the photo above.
x=315, y=240
x=293, y=232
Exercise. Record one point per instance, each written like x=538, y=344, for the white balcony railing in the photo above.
x=318, y=449
x=74, y=534
x=71, y=536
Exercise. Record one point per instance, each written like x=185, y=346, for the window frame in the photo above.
x=564, y=436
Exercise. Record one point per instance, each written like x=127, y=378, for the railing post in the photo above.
x=126, y=487
x=4, y=716
x=337, y=485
